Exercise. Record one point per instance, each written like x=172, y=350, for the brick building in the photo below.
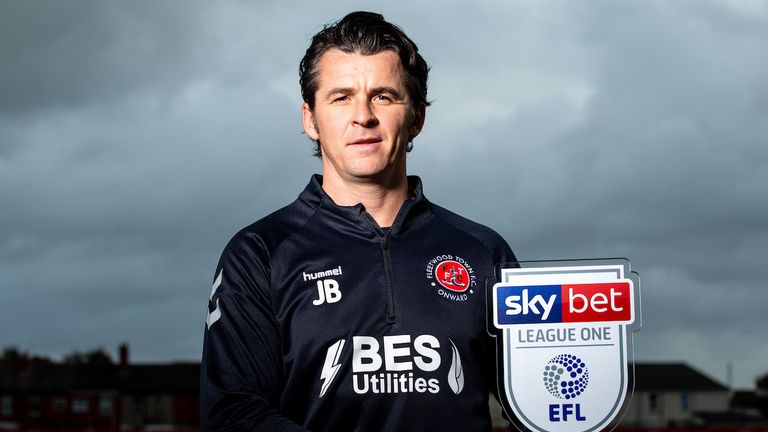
x=40, y=394
x=675, y=394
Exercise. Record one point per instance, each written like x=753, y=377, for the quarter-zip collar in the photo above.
x=355, y=219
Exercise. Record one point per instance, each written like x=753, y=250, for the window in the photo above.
x=6, y=406
x=139, y=407
x=653, y=401
x=80, y=406
x=34, y=406
x=684, y=402
x=158, y=407
x=59, y=405
x=105, y=405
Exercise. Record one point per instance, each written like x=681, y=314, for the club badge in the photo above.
x=452, y=276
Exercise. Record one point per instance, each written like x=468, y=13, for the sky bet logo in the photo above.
x=567, y=303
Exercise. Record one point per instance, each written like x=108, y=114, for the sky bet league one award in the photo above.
x=564, y=342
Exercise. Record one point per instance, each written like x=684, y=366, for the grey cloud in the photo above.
x=135, y=139
x=70, y=53
x=664, y=163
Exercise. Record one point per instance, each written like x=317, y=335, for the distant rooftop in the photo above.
x=673, y=377
x=147, y=378
x=24, y=375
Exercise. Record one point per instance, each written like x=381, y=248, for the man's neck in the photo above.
x=382, y=200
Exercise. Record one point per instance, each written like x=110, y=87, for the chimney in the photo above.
x=24, y=363
x=124, y=357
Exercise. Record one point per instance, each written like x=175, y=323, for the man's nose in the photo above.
x=364, y=115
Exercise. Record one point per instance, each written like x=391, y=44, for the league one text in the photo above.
x=562, y=337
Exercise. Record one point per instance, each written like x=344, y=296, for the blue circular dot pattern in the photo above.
x=566, y=376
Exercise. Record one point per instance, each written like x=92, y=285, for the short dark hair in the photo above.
x=366, y=33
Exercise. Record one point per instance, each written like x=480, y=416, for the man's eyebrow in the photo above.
x=391, y=90
x=376, y=90
x=339, y=90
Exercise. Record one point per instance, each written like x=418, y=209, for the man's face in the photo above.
x=363, y=116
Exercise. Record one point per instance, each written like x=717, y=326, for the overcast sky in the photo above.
x=137, y=137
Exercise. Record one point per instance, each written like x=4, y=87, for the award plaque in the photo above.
x=564, y=342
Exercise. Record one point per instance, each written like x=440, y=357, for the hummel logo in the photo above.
x=319, y=275
x=331, y=365
x=216, y=313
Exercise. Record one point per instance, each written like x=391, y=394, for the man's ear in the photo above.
x=419, y=112
x=308, y=121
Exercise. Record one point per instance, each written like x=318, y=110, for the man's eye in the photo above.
x=382, y=98
x=339, y=99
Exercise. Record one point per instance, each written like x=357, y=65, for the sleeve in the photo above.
x=503, y=256
x=507, y=256
x=241, y=371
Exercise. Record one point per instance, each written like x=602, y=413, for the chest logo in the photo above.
x=327, y=288
x=392, y=364
x=452, y=275
x=327, y=292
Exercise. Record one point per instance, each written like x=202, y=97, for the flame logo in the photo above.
x=456, y=372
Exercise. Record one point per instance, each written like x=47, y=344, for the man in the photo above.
x=361, y=305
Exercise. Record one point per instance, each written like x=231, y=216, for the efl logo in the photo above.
x=567, y=303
